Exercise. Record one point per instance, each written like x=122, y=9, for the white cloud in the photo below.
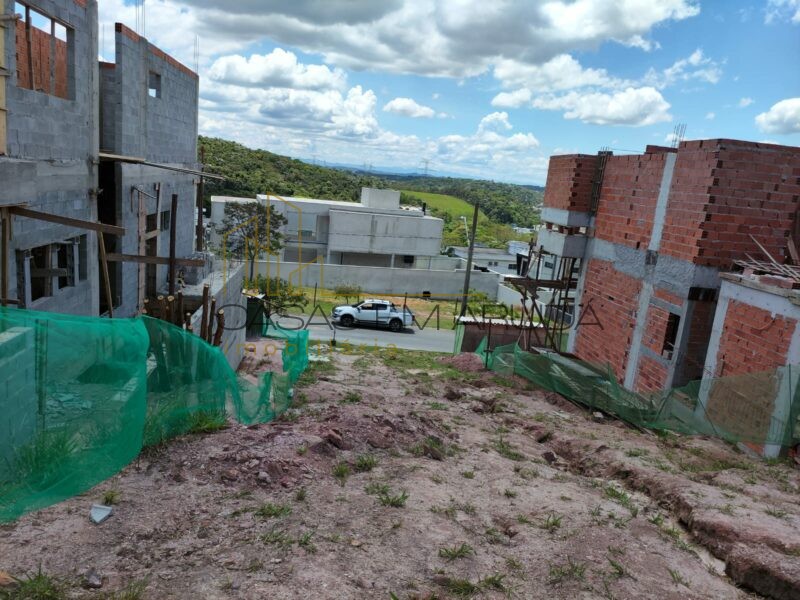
x=408, y=107
x=279, y=68
x=562, y=72
x=696, y=66
x=783, y=117
x=515, y=99
x=711, y=116
x=745, y=102
x=779, y=10
x=632, y=106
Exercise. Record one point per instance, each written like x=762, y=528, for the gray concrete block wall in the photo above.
x=18, y=401
x=160, y=129
x=52, y=147
x=109, y=105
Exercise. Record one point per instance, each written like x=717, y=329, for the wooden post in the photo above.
x=204, y=315
x=6, y=234
x=211, y=314
x=173, y=232
x=179, y=310
x=220, y=328
x=101, y=244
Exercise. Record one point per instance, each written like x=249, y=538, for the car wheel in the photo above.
x=395, y=325
x=347, y=321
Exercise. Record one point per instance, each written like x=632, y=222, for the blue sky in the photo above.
x=486, y=89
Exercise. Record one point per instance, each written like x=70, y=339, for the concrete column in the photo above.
x=391, y=264
x=661, y=204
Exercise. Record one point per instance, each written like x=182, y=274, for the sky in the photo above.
x=482, y=88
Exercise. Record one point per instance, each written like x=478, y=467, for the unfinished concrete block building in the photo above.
x=148, y=112
x=48, y=153
x=654, y=232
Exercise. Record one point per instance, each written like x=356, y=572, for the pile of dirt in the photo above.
x=468, y=362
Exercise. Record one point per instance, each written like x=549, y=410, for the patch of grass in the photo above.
x=433, y=447
x=513, y=564
x=621, y=498
x=312, y=373
x=273, y=511
x=468, y=474
x=524, y=520
x=365, y=463
x=133, y=591
x=351, y=397
x=393, y=500
x=207, y=421
x=657, y=519
x=341, y=472
x=451, y=554
x=552, y=522
x=493, y=582
x=776, y=512
x=507, y=450
x=525, y=473
x=494, y=537
x=276, y=537
x=462, y=588
x=300, y=495
x=437, y=406
x=633, y=453
x=677, y=578
x=111, y=497
x=304, y=541
x=38, y=586
x=44, y=456
x=301, y=450
x=374, y=488
x=569, y=571
x=617, y=570
x=254, y=566
x=509, y=493
x=728, y=509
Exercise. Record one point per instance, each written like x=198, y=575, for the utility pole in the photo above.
x=465, y=297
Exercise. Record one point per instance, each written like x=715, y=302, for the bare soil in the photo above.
x=401, y=475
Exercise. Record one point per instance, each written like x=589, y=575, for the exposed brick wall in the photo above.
x=651, y=375
x=41, y=54
x=702, y=321
x=753, y=340
x=669, y=297
x=726, y=190
x=628, y=199
x=569, y=182
x=655, y=328
x=613, y=297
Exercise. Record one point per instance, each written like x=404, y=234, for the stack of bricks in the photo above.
x=628, y=200
x=723, y=192
x=605, y=331
x=569, y=182
x=753, y=340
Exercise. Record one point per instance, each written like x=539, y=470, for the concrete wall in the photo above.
x=52, y=150
x=377, y=280
x=18, y=400
x=385, y=199
x=384, y=234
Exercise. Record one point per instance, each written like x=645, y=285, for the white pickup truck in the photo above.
x=379, y=313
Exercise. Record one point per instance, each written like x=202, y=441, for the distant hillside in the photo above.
x=250, y=172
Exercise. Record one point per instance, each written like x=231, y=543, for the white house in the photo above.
x=375, y=232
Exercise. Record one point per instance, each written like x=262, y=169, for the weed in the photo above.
x=365, y=463
x=507, y=450
x=526, y=474
x=351, y=397
x=523, y=520
x=677, y=578
x=622, y=499
x=634, y=452
x=727, y=510
x=616, y=550
x=776, y=512
x=437, y=406
x=493, y=582
x=571, y=571
x=38, y=586
x=595, y=512
x=463, y=588
x=377, y=489
x=468, y=474
x=273, y=511
x=437, y=479
x=462, y=551
x=617, y=570
x=301, y=450
x=552, y=522
x=513, y=564
x=432, y=447
x=111, y=497
x=493, y=536
x=207, y=421
x=394, y=501
x=304, y=541
x=300, y=495
x=276, y=538
x=657, y=519
x=341, y=472
x=254, y=566
x=133, y=591
x=509, y=493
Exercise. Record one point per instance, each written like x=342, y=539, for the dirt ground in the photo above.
x=403, y=475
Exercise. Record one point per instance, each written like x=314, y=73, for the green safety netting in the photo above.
x=757, y=408
x=80, y=397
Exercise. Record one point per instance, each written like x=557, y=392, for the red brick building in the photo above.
x=654, y=232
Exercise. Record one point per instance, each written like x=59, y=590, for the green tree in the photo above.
x=250, y=230
x=279, y=295
x=347, y=291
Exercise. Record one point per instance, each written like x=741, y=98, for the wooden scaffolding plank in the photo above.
x=91, y=226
